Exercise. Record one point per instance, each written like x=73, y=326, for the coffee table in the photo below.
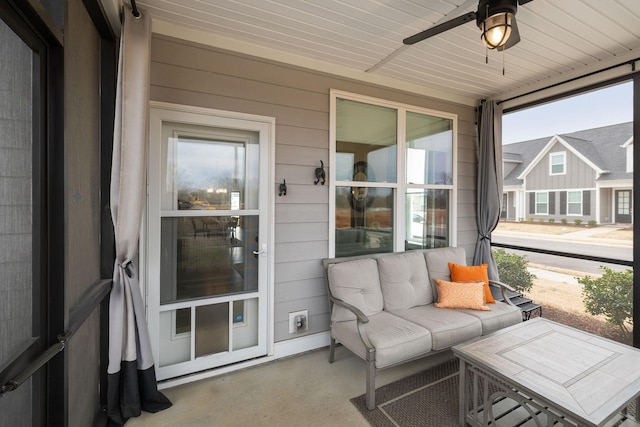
x=542, y=373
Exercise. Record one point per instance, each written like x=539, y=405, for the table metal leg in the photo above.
x=462, y=392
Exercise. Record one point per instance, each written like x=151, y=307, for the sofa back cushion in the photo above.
x=438, y=264
x=357, y=283
x=404, y=281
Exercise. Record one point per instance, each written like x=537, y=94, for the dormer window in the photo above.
x=557, y=163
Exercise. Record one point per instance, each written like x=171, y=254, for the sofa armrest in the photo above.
x=504, y=288
x=361, y=319
x=355, y=310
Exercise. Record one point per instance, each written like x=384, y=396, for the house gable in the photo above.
x=557, y=143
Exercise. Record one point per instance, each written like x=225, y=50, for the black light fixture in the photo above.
x=496, y=19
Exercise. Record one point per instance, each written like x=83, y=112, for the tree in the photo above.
x=610, y=295
x=512, y=270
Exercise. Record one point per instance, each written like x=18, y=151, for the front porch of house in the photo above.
x=299, y=390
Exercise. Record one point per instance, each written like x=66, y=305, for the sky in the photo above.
x=594, y=109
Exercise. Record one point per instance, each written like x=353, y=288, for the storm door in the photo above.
x=623, y=206
x=207, y=235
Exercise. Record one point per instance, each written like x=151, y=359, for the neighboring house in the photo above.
x=585, y=175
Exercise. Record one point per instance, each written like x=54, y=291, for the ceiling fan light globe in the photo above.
x=496, y=29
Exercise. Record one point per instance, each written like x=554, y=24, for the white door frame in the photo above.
x=160, y=112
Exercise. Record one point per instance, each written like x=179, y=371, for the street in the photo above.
x=569, y=246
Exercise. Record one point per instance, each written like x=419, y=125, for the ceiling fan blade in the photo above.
x=437, y=29
x=514, y=38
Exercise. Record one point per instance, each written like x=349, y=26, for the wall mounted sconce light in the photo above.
x=321, y=176
x=282, y=188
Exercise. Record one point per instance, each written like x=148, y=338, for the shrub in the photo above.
x=551, y=220
x=540, y=220
x=512, y=270
x=577, y=221
x=564, y=221
x=592, y=223
x=610, y=295
x=530, y=219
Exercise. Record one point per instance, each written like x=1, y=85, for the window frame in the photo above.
x=563, y=155
x=569, y=203
x=399, y=187
x=546, y=203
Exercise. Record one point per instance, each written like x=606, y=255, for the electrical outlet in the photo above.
x=298, y=321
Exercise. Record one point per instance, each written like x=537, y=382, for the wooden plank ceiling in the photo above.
x=561, y=39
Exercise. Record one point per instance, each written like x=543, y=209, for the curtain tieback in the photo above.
x=127, y=268
x=485, y=237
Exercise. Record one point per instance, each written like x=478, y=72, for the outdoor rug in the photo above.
x=426, y=399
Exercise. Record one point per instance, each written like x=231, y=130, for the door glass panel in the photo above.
x=624, y=204
x=207, y=256
x=209, y=169
x=175, y=336
x=16, y=208
x=245, y=333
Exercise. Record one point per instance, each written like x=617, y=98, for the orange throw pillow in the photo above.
x=461, y=295
x=463, y=273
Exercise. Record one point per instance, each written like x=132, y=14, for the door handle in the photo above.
x=262, y=251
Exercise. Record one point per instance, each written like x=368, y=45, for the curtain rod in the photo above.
x=134, y=9
x=630, y=62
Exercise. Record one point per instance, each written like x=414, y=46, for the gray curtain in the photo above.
x=132, y=385
x=489, y=196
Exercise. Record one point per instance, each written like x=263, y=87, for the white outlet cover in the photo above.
x=292, y=320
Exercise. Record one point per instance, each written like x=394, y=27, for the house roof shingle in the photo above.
x=601, y=146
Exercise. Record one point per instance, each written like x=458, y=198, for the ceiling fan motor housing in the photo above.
x=495, y=18
x=488, y=8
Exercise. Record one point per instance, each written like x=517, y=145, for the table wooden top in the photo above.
x=585, y=375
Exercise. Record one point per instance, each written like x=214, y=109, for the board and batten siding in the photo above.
x=577, y=175
x=188, y=73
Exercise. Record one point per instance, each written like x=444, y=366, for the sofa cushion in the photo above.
x=394, y=338
x=469, y=273
x=357, y=283
x=438, y=264
x=404, y=281
x=448, y=327
x=468, y=295
x=500, y=316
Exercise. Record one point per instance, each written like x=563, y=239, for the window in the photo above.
x=574, y=202
x=557, y=162
x=394, y=176
x=542, y=203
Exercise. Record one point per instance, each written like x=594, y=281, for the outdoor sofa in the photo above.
x=384, y=308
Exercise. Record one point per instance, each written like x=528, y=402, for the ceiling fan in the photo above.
x=495, y=18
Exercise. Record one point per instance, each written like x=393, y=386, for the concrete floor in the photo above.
x=304, y=390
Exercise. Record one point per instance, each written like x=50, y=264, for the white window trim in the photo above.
x=400, y=187
x=536, y=202
x=562, y=154
x=581, y=203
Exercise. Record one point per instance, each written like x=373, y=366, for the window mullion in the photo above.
x=399, y=224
